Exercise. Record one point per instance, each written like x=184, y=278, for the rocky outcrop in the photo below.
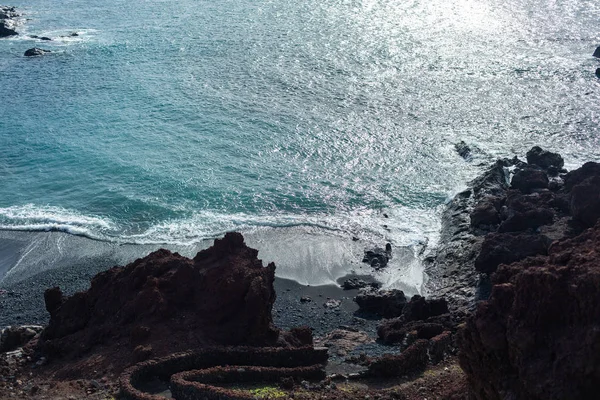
x=383, y=303
x=36, y=52
x=167, y=303
x=544, y=159
x=8, y=16
x=503, y=220
x=538, y=335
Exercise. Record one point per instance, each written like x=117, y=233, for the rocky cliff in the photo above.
x=538, y=336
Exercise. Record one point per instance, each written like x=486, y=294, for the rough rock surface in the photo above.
x=13, y=337
x=8, y=16
x=538, y=336
x=499, y=220
x=384, y=303
x=36, y=52
x=165, y=303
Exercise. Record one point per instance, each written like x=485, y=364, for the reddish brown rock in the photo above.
x=538, y=336
x=166, y=301
x=529, y=179
x=499, y=248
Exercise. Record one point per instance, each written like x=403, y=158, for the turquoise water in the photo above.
x=170, y=122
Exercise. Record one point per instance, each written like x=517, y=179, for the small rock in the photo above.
x=36, y=52
x=305, y=299
x=597, y=52
x=331, y=304
x=45, y=38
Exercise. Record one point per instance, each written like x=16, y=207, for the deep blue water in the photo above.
x=176, y=121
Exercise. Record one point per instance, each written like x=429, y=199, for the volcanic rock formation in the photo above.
x=538, y=336
x=166, y=303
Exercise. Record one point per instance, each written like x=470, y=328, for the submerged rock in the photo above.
x=35, y=52
x=463, y=150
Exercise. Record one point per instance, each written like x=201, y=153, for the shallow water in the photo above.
x=172, y=122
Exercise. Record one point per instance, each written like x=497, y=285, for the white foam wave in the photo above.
x=401, y=226
x=31, y=217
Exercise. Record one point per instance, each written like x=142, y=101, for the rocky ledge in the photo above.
x=514, y=210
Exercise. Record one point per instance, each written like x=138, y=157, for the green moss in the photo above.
x=268, y=392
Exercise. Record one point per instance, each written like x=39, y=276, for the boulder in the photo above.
x=13, y=337
x=578, y=175
x=544, y=159
x=419, y=308
x=505, y=248
x=585, y=201
x=485, y=213
x=5, y=31
x=522, y=212
x=378, y=257
x=598, y=72
x=538, y=335
x=529, y=179
x=597, y=52
x=35, y=52
x=224, y=296
x=385, y=303
x=356, y=283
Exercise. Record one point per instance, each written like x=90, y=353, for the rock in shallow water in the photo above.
x=35, y=52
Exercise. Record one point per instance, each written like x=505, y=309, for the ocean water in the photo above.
x=169, y=123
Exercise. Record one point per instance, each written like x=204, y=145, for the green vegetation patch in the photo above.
x=268, y=392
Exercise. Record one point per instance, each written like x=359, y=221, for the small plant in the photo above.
x=268, y=392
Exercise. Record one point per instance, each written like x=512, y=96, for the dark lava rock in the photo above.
x=522, y=212
x=538, y=337
x=545, y=159
x=414, y=358
x=505, y=248
x=45, y=38
x=529, y=179
x=224, y=296
x=597, y=52
x=5, y=31
x=485, y=213
x=419, y=308
x=578, y=175
x=463, y=150
x=385, y=303
x=355, y=283
x=395, y=330
x=36, y=52
x=585, y=201
x=13, y=337
x=378, y=257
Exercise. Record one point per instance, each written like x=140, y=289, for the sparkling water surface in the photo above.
x=170, y=122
